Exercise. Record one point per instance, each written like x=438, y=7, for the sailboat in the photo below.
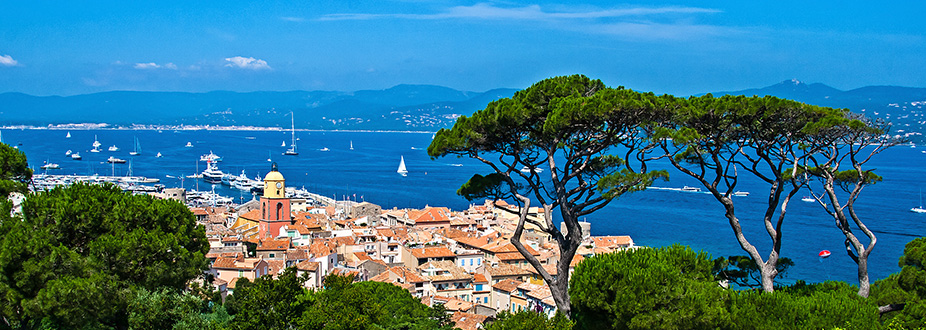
x=919, y=209
x=292, y=146
x=284, y=144
x=137, y=150
x=402, y=170
x=96, y=144
x=351, y=144
x=68, y=136
x=158, y=155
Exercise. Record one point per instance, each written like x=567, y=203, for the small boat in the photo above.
x=50, y=166
x=824, y=254
x=76, y=156
x=113, y=148
x=189, y=145
x=68, y=136
x=919, y=209
x=210, y=157
x=324, y=149
x=250, y=138
x=96, y=145
x=158, y=155
x=292, y=146
x=137, y=150
x=68, y=153
x=691, y=189
x=741, y=193
x=351, y=144
x=284, y=144
x=402, y=170
x=808, y=199
x=115, y=160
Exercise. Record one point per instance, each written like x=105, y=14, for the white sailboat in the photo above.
x=158, y=155
x=919, y=209
x=137, y=150
x=402, y=170
x=351, y=144
x=284, y=144
x=292, y=146
x=68, y=136
x=96, y=144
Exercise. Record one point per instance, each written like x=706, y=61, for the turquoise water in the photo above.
x=653, y=217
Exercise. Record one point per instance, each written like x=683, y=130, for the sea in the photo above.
x=327, y=165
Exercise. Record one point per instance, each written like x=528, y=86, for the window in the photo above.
x=478, y=287
x=272, y=255
x=470, y=262
x=279, y=211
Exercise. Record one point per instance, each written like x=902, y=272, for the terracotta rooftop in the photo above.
x=407, y=275
x=251, y=215
x=273, y=245
x=612, y=241
x=432, y=252
x=507, y=270
x=309, y=266
x=444, y=270
x=508, y=285
x=468, y=321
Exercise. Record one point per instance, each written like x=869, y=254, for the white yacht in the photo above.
x=96, y=145
x=189, y=145
x=113, y=148
x=212, y=173
x=210, y=157
x=50, y=166
x=76, y=156
x=115, y=160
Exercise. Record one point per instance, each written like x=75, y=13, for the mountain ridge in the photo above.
x=401, y=107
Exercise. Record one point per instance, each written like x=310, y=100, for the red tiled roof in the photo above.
x=432, y=252
x=611, y=241
x=309, y=266
x=468, y=321
x=273, y=245
x=251, y=215
x=508, y=285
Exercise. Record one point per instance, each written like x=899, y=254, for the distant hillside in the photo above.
x=403, y=107
x=902, y=106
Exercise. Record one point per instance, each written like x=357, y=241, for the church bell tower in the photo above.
x=274, y=206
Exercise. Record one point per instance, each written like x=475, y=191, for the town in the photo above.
x=463, y=260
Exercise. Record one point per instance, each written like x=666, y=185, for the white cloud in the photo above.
x=292, y=19
x=152, y=65
x=7, y=60
x=532, y=12
x=246, y=63
x=146, y=65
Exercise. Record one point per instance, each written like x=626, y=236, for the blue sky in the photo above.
x=71, y=47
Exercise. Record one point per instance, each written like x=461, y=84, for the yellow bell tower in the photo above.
x=274, y=183
x=275, y=207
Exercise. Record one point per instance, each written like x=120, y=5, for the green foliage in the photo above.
x=166, y=309
x=77, y=255
x=529, y=320
x=491, y=186
x=744, y=272
x=15, y=173
x=649, y=288
x=816, y=306
x=283, y=303
x=906, y=288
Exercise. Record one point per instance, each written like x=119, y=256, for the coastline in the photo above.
x=105, y=126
